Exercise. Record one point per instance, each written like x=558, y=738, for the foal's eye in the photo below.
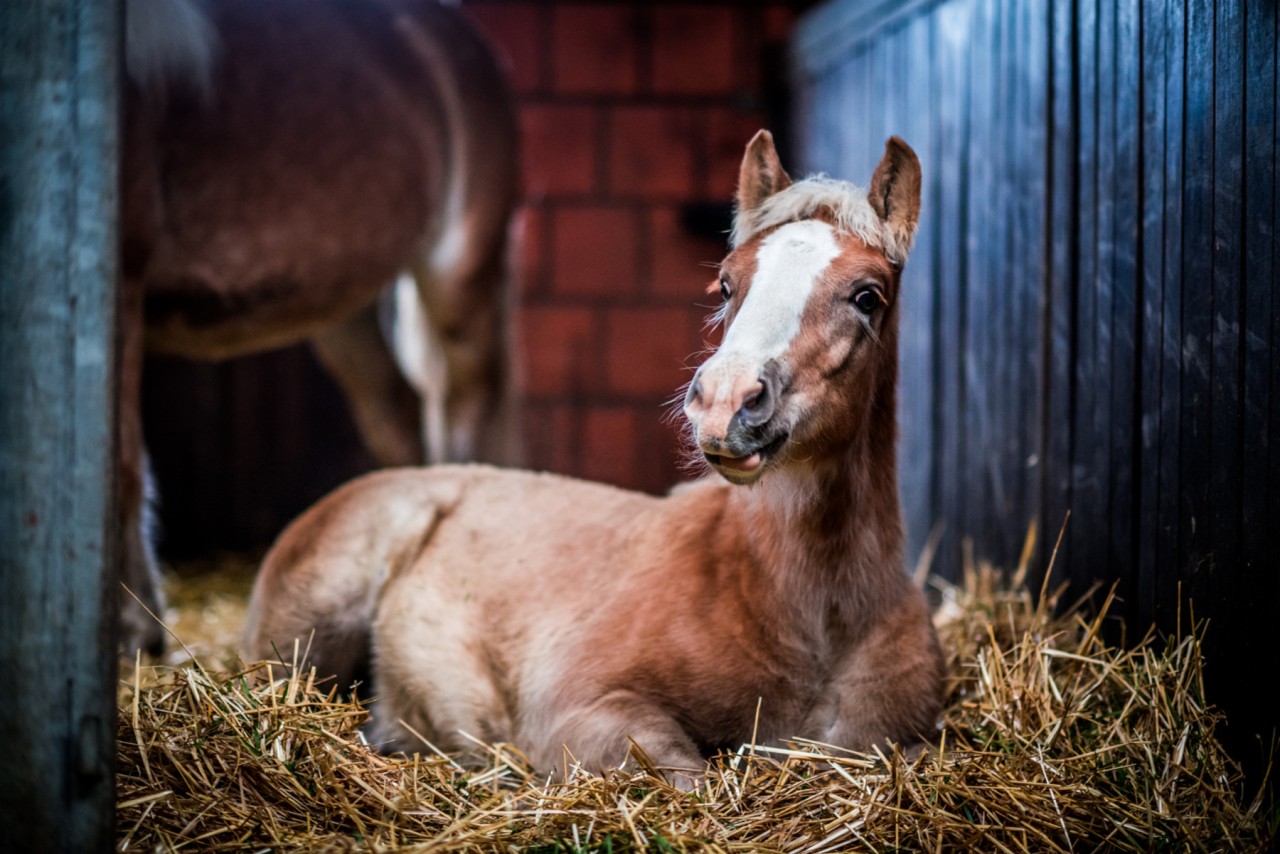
x=725, y=293
x=867, y=300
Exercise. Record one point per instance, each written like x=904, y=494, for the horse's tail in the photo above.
x=317, y=594
x=168, y=43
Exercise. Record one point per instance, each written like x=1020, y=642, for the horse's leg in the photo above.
x=139, y=571
x=452, y=339
x=385, y=406
x=601, y=736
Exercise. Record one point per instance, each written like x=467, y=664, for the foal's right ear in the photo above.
x=761, y=174
x=895, y=192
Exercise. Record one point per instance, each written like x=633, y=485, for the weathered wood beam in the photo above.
x=60, y=79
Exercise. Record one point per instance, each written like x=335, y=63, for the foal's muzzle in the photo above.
x=732, y=413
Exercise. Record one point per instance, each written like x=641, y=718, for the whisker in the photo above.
x=717, y=318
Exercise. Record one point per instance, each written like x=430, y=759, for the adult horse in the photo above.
x=284, y=163
x=563, y=615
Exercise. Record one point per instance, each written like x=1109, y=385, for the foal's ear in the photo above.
x=895, y=191
x=761, y=174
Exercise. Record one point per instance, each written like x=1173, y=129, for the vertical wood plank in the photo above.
x=916, y=387
x=1087, y=510
x=1011, y=331
x=1034, y=199
x=1167, y=575
x=1226, y=473
x=1125, y=357
x=976, y=306
x=1235, y=642
x=1260, y=428
x=59, y=237
x=1269, y=590
x=1151, y=364
x=1195, y=453
x=954, y=31
x=1057, y=417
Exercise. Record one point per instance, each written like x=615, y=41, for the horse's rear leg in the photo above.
x=140, y=573
x=453, y=341
x=385, y=406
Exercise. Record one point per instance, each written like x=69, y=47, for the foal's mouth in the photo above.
x=746, y=467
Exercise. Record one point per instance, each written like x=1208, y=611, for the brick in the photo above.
x=531, y=256
x=653, y=152
x=693, y=50
x=728, y=132
x=559, y=145
x=561, y=349
x=609, y=445
x=778, y=23
x=596, y=252
x=682, y=265
x=552, y=437
x=661, y=456
x=594, y=49
x=514, y=30
x=647, y=351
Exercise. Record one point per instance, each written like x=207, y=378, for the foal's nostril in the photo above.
x=757, y=407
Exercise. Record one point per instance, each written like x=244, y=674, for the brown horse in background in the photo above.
x=573, y=618
x=284, y=163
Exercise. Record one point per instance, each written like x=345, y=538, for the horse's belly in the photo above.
x=257, y=216
x=186, y=317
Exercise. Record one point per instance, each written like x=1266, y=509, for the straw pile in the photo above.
x=1051, y=741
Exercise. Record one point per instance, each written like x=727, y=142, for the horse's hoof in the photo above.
x=150, y=641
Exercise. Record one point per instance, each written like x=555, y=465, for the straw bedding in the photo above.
x=1051, y=741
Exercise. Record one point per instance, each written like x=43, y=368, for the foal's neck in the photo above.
x=830, y=531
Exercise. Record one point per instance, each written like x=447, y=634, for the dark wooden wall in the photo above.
x=1091, y=316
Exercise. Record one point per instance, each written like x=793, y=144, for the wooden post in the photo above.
x=60, y=84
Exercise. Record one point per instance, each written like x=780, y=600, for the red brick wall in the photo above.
x=629, y=111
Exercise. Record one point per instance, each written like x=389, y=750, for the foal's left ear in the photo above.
x=761, y=174
x=895, y=191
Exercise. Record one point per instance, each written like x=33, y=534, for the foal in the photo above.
x=559, y=614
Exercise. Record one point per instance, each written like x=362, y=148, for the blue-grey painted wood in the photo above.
x=1123, y=359
x=59, y=139
x=1059, y=316
x=1170, y=357
x=1101, y=220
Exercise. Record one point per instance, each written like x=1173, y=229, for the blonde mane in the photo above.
x=846, y=202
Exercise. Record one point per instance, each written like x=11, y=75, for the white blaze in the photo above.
x=788, y=264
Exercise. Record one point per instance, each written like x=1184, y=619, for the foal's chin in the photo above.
x=744, y=471
x=739, y=478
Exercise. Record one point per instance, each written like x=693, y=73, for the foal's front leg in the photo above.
x=599, y=736
x=890, y=686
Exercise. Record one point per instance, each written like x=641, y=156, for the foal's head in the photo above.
x=810, y=295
